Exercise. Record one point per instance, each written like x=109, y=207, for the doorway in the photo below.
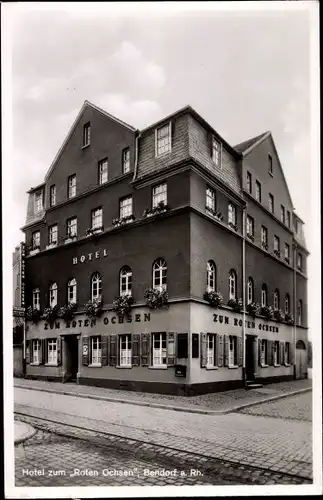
x=301, y=360
x=250, y=360
x=72, y=357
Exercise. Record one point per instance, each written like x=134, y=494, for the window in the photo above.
x=287, y=251
x=39, y=202
x=96, y=217
x=53, y=295
x=96, y=286
x=71, y=186
x=276, y=244
x=299, y=261
x=125, y=207
x=232, y=214
x=297, y=226
x=288, y=219
x=71, y=291
x=52, y=352
x=264, y=296
x=160, y=194
x=35, y=240
x=72, y=227
x=36, y=299
x=276, y=352
x=232, y=284
x=287, y=304
x=271, y=203
x=299, y=312
x=210, y=199
x=287, y=353
x=125, y=350
x=52, y=196
x=264, y=237
x=160, y=275
x=210, y=350
x=270, y=165
x=250, y=226
x=125, y=281
x=264, y=352
x=258, y=191
x=87, y=134
x=53, y=234
x=36, y=351
x=233, y=358
x=282, y=213
x=216, y=151
x=126, y=160
x=159, y=349
x=276, y=299
x=251, y=291
x=103, y=171
x=211, y=276
x=249, y=182
x=96, y=352
x=163, y=139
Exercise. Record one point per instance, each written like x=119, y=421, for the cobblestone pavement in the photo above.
x=270, y=443
x=61, y=459
x=213, y=401
x=297, y=407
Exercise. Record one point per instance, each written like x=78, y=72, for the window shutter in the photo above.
x=195, y=345
x=85, y=351
x=113, y=350
x=28, y=351
x=182, y=345
x=220, y=341
x=135, y=348
x=239, y=351
x=171, y=348
x=226, y=350
x=282, y=352
x=104, y=350
x=145, y=349
x=259, y=352
x=270, y=352
x=41, y=351
x=59, y=348
x=203, y=350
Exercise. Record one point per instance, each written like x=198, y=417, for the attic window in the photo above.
x=270, y=165
x=163, y=139
x=87, y=134
x=216, y=151
x=39, y=201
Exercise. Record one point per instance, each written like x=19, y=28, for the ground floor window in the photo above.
x=264, y=352
x=159, y=349
x=233, y=354
x=210, y=351
x=52, y=351
x=276, y=352
x=125, y=350
x=36, y=351
x=287, y=353
x=96, y=351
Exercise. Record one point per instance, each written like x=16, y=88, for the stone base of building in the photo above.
x=275, y=380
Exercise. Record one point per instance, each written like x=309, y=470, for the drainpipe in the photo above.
x=244, y=295
x=138, y=135
x=294, y=309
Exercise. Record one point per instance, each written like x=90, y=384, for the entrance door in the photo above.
x=301, y=361
x=250, y=361
x=72, y=364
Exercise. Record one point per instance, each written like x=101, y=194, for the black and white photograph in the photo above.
x=161, y=201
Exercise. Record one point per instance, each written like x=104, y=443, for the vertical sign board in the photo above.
x=22, y=274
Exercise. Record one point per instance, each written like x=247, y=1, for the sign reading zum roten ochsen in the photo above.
x=107, y=320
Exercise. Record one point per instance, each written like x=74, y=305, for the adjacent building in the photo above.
x=164, y=260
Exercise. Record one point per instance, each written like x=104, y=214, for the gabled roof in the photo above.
x=246, y=146
x=73, y=127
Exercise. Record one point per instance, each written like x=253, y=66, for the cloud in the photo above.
x=138, y=113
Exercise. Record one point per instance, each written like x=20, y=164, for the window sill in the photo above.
x=276, y=365
x=95, y=365
x=124, y=366
x=50, y=364
x=287, y=364
x=211, y=367
x=163, y=154
x=34, y=364
x=161, y=367
x=233, y=366
x=86, y=146
x=264, y=366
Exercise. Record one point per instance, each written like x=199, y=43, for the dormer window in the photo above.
x=270, y=165
x=163, y=139
x=71, y=186
x=39, y=202
x=87, y=134
x=216, y=151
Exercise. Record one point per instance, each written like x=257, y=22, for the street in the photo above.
x=96, y=442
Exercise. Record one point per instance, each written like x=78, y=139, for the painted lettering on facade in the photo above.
x=219, y=318
x=107, y=320
x=90, y=256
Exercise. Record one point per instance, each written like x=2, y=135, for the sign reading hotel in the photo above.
x=90, y=256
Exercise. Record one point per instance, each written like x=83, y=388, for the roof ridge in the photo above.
x=242, y=146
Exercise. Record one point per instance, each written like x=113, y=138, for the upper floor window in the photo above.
x=288, y=218
x=297, y=226
x=96, y=286
x=264, y=236
x=210, y=199
x=264, y=296
x=232, y=284
x=163, y=139
x=270, y=165
x=126, y=160
x=103, y=171
x=160, y=275
x=72, y=186
x=125, y=281
x=276, y=299
x=249, y=182
x=72, y=227
x=36, y=298
x=232, y=214
x=35, y=240
x=52, y=195
x=160, y=194
x=87, y=134
x=271, y=203
x=53, y=234
x=125, y=207
x=299, y=261
x=287, y=252
x=276, y=244
x=211, y=276
x=39, y=201
x=216, y=151
x=53, y=295
x=96, y=218
x=251, y=290
x=71, y=291
x=299, y=312
x=282, y=213
x=258, y=191
x=250, y=226
x=287, y=303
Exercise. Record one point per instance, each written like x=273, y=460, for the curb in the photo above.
x=167, y=407
x=30, y=431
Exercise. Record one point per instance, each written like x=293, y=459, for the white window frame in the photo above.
x=159, y=354
x=163, y=144
x=35, y=239
x=210, y=350
x=160, y=275
x=276, y=243
x=233, y=343
x=36, y=299
x=216, y=151
x=299, y=261
x=39, y=202
x=251, y=291
x=287, y=251
x=299, y=312
x=249, y=182
x=97, y=218
x=288, y=218
x=159, y=194
x=282, y=214
x=232, y=284
x=125, y=207
x=287, y=353
x=52, y=195
x=264, y=352
x=72, y=227
x=210, y=199
x=53, y=234
x=271, y=203
x=103, y=171
x=52, y=352
x=211, y=276
x=270, y=165
x=250, y=225
x=125, y=350
x=232, y=214
x=287, y=303
x=72, y=290
x=71, y=186
x=126, y=160
x=258, y=191
x=276, y=353
x=126, y=281
x=35, y=351
x=264, y=235
x=96, y=350
x=87, y=134
x=276, y=299
x=96, y=286
x=53, y=295
x=264, y=296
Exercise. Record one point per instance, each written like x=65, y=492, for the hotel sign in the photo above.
x=219, y=318
x=90, y=256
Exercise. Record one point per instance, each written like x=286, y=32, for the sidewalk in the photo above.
x=22, y=432
x=214, y=403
